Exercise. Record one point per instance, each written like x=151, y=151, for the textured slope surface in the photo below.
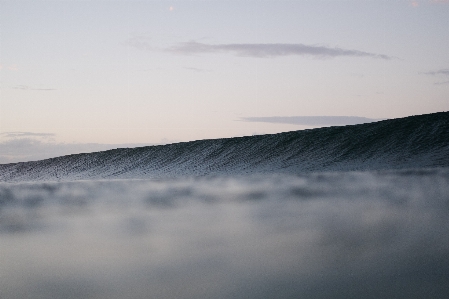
x=411, y=142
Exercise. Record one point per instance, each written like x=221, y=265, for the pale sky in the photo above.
x=147, y=72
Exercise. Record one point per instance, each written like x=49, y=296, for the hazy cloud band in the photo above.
x=24, y=87
x=439, y=72
x=312, y=120
x=270, y=50
x=25, y=134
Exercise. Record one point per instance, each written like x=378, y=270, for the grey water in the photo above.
x=371, y=234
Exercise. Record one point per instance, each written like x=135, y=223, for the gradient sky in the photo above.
x=122, y=72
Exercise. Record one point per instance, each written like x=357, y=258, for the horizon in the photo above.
x=77, y=75
x=18, y=147
x=31, y=147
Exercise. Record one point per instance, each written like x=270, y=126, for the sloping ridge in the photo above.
x=411, y=142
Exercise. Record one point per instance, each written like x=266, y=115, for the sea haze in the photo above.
x=322, y=235
x=343, y=212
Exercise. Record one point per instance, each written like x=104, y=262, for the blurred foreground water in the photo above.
x=323, y=235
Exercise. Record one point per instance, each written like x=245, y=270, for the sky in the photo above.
x=80, y=76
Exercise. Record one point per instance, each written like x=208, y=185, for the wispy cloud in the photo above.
x=439, y=72
x=140, y=42
x=270, y=50
x=442, y=72
x=25, y=87
x=312, y=120
x=26, y=135
x=253, y=50
x=196, y=69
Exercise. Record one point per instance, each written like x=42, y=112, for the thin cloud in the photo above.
x=25, y=87
x=196, y=69
x=312, y=120
x=25, y=134
x=140, y=42
x=442, y=72
x=270, y=50
x=439, y=72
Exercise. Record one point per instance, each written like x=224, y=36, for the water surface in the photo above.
x=319, y=235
